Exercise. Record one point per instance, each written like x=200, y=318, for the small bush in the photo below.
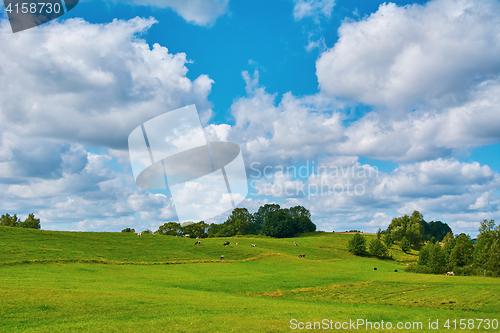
x=405, y=245
x=357, y=245
x=414, y=268
x=378, y=249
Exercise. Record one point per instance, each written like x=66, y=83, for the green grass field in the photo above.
x=116, y=282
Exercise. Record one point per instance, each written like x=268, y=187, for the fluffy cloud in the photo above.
x=342, y=194
x=279, y=137
x=431, y=54
x=199, y=12
x=438, y=178
x=85, y=83
x=24, y=157
x=428, y=133
x=313, y=8
x=303, y=128
x=298, y=128
x=91, y=83
x=83, y=198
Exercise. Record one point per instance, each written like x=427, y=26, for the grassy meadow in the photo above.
x=117, y=282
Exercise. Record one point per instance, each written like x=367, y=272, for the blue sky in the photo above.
x=408, y=90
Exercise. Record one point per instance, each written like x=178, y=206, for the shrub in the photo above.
x=13, y=221
x=414, y=268
x=388, y=240
x=30, y=223
x=405, y=245
x=423, y=256
x=437, y=259
x=128, y=230
x=357, y=244
x=377, y=248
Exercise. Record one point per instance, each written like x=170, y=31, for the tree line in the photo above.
x=440, y=250
x=268, y=220
x=13, y=221
x=414, y=230
x=462, y=255
x=407, y=231
x=357, y=245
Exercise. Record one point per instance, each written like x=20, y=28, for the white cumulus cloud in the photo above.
x=199, y=12
x=429, y=54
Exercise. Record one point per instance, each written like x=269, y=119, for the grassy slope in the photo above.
x=240, y=294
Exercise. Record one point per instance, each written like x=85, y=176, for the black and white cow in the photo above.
x=225, y=243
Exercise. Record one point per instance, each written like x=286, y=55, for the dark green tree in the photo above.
x=449, y=237
x=450, y=243
x=195, y=229
x=415, y=229
x=171, y=229
x=259, y=217
x=301, y=220
x=128, y=230
x=436, y=229
x=493, y=263
x=278, y=224
x=436, y=262
x=357, y=244
x=405, y=245
x=423, y=256
x=398, y=227
x=214, y=228
x=9, y=221
x=411, y=227
x=487, y=236
x=31, y=222
x=377, y=248
x=239, y=222
x=388, y=240
x=462, y=253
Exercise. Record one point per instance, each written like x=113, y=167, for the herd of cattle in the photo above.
x=294, y=243
x=139, y=234
x=253, y=245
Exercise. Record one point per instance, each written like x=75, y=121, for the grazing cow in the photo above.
x=197, y=243
x=375, y=269
x=450, y=273
x=237, y=243
x=396, y=270
x=222, y=257
x=302, y=256
x=186, y=236
x=139, y=234
x=253, y=245
x=225, y=243
x=295, y=244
